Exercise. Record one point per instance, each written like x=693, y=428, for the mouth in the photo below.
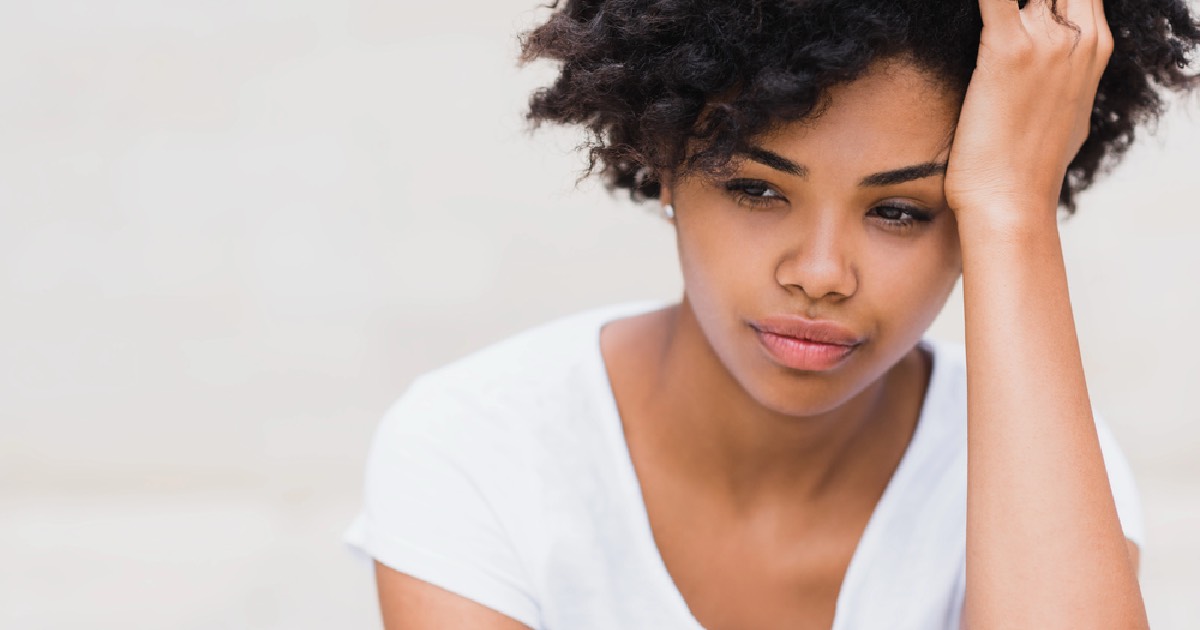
x=804, y=344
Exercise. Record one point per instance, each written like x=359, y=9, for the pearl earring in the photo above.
x=669, y=211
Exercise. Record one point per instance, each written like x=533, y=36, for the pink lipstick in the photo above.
x=805, y=344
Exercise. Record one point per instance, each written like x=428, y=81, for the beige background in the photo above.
x=232, y=232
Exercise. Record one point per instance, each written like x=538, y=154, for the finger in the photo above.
x=1079, y=14
x=1085, y=21
x=1098, y=13
x=1039, y=20
x=1060, y=22
x=1083, y=18
x=1105, y=41
x=1101, y=23
x=1042, y=9
x=1000, y=14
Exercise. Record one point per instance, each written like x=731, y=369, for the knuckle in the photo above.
x=1087, y=36
x=1052, y=52
x=1021, y=50
x=1105, y=43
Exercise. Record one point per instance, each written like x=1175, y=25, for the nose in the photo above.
x=819, y=262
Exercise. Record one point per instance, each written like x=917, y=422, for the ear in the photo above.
x=664, y=189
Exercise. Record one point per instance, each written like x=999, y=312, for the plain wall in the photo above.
x=232, y=232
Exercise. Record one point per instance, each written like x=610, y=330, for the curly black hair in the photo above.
x=652, y=79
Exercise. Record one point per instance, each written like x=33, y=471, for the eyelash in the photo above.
x=915, y=216
x=740, y=190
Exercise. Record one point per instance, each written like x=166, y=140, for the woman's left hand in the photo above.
x=1027, y=108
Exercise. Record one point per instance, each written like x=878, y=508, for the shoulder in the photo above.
x=531, y=356
x=510, y=385
x=949, y=361
x=945, y=405
x=464, y=464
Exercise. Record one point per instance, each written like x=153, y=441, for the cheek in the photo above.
x=713, y=275
x=910, y=285
x=720, y=255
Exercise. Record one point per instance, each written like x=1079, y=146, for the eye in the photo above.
x=754, y=193
x=902, y=217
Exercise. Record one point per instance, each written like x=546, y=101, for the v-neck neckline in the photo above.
x=868, y=542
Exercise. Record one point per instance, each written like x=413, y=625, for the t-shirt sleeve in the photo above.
x=1120, y=479
x=427, y=512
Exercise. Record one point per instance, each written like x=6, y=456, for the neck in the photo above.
x=712, y=432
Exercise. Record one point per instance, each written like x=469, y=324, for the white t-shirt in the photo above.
x=505, y=478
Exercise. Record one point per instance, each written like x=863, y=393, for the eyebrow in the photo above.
x=776, y=161
x=882, y=178
x=905, y=174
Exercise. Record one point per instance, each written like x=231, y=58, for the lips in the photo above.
x=803, y=329
x=804, y=344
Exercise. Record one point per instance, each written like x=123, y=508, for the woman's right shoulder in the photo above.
x=543, y=374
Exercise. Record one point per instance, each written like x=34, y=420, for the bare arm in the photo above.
x=411, y=604
x=1044, y=546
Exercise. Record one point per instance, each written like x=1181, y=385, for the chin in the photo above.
x=801, y=396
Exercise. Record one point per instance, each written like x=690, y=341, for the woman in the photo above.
x=782, y=448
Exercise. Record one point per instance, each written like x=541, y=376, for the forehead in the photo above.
x=893, y=115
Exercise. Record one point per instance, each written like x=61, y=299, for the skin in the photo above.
x=751, y=461
x=744, y=463
x=1044, y=546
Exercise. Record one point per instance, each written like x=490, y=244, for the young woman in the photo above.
x=782, y=448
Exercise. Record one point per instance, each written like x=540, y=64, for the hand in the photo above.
x=1027, y=108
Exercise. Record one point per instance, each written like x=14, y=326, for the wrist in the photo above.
x=1007, y=221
